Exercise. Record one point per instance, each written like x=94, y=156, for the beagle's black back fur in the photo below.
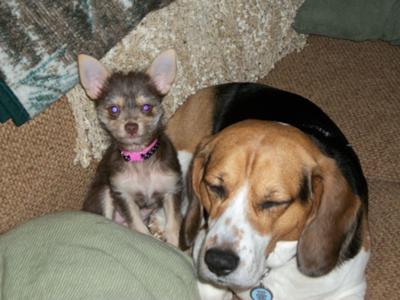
x=236, y=102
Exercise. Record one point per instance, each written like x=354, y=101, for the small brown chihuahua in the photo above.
x=139, y=175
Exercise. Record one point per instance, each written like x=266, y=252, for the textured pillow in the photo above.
x=78, y=255
x=357, y=20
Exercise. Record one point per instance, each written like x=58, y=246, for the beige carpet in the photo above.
x=357, y=84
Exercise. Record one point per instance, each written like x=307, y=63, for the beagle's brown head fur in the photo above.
x=262, y=182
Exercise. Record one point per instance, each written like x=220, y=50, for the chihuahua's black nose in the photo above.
x=131, y=128
x=221, y=262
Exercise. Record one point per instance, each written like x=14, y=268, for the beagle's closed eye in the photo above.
x=270, y=204
x=217, y=190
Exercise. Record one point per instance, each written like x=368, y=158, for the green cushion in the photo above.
x=357, y=20
x=77, y=255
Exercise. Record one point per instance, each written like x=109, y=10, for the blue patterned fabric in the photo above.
x=40, y=40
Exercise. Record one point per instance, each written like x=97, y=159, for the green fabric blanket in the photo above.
x=78, y=255
x=40, y=41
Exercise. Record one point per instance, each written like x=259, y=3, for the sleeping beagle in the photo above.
x=277, y=198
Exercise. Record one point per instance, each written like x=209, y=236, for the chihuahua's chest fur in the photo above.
x=144, y=184
x=147, y=183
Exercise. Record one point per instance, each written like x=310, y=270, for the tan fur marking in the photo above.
x=274, y=173
x=212, y=241
x=238, y=233
x=187, y=126
x=104, y=113
x=140, y=100
x=273, y=158
x=120, y=101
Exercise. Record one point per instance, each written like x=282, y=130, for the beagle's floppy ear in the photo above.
x=332, y=234
x=92, y=74
x=194, y=215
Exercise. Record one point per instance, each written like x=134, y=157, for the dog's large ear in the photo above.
x=92, y=74
x=194, y=215
x=163, y=71
x=334, y=226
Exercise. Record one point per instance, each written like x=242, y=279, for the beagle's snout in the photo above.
x=221, y=262
x=131, y=128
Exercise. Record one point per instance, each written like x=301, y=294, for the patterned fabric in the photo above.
x=40, y=40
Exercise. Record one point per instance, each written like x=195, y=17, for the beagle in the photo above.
x=277, y=197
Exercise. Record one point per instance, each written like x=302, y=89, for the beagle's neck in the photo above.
x=285, y=281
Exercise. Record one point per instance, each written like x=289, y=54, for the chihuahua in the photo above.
x=139, y=175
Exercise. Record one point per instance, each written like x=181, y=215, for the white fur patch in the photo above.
x=240, y=237
x=210, y=292
x=144, y=180
x=107, y=203
x=185, y=158
x=286, y=282
x=282, y=276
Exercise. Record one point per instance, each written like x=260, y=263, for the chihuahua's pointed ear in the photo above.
x=92, y=74
x=163, y=71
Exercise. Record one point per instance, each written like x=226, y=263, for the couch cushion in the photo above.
x=351, y=19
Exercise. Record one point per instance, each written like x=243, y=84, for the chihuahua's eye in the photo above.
x=146, y=108
x=114, y=110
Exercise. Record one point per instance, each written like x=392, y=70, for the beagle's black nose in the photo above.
x=221, y=262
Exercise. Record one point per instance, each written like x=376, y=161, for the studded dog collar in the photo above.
x=142, y=155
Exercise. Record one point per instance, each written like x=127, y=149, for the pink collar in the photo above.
x=141, y=155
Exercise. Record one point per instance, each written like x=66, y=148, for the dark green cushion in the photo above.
x=357, y=20
x=83, y=256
